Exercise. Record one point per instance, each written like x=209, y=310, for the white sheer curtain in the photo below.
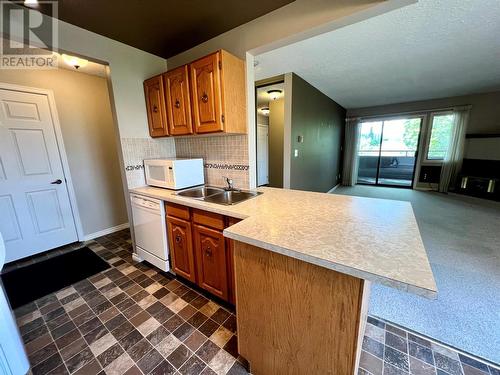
x=452, y=163
x=351, y=147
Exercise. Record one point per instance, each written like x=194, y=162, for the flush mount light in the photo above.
x=265, y=111
x=30, y=2
x=274, y=94
x=74, y=61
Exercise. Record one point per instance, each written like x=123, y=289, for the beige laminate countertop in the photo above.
x=373, y=239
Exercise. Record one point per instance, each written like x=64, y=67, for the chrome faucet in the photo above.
x=230, y=185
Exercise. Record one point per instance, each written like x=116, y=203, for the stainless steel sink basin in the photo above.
x=231, y=197
x=200, y=192
x=217, y=195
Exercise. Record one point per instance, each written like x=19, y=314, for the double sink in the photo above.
x=218, y=195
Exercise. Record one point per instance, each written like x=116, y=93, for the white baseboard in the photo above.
x=333, y=188
x=103, y=232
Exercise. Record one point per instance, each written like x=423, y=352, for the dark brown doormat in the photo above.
x=27, y=284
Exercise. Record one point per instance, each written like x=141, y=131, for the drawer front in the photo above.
x=211, y=260
x=181, y=248
x=208, y=219
x=178, y=211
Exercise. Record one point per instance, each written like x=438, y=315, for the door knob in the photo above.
x=56, y=182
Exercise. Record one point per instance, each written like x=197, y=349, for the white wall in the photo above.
x=84, y=111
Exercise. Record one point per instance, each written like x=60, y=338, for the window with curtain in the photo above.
x=442, y=126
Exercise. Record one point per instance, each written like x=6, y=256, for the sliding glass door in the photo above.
x=388, y=151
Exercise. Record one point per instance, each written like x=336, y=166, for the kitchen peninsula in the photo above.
x=303, y=265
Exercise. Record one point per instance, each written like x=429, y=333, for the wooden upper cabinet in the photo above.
x=155, y=106
x=218, y=93
x=206, y=93
x=211, y=260
x=206, y=96
x=178, y=103
x=181, y=248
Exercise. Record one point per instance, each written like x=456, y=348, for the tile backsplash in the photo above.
x=223, y=156
x=135, y=150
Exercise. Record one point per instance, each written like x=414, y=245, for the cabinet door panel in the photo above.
x=178, y=102
x=155, y=106
x=206, y=94
x=211, y=260
x=181, y=249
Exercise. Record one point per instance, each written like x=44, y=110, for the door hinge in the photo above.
x=223, y=118
x=220, y=64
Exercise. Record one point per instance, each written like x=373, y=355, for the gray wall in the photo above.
x=320, y=121
x=88, y=131
x=276, y=133
x=484, y=115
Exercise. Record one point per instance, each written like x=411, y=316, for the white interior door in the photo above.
x=262, y=155
x=35, y=208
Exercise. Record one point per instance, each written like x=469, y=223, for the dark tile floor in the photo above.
x=133, y=319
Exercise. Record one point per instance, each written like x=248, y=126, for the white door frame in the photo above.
x=60, y=145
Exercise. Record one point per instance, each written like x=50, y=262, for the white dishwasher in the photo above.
x=150, y=230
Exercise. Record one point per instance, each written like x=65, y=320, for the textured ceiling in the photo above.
x=162, y=27
x=431, y=49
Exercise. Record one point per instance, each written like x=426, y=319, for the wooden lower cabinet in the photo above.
x=181, y=248
x=199, y=251
x=210, y=253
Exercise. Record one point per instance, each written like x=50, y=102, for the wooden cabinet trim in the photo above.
x=231, y=292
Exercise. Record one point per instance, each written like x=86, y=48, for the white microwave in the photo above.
x=174, y=173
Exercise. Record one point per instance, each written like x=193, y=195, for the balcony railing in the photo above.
x=396, y=166
x=405, y=153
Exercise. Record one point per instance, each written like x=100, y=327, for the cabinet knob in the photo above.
x=208, y=252
x=204, y=97
x=177, y=239
x=177, y=103
x=155, y=109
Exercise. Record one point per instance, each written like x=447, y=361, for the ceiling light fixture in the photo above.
x=74, y=61
x=274, y=94
x=30, y=2
x=265, y=111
